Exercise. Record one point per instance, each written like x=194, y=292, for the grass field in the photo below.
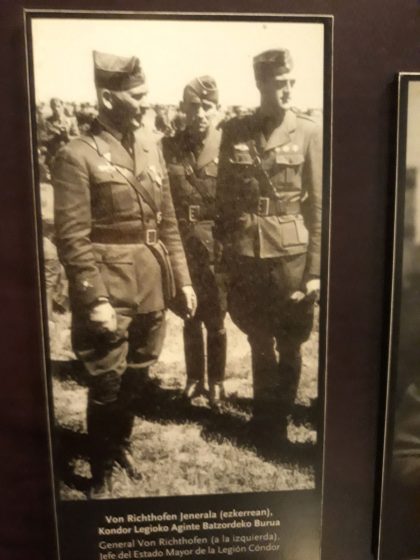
x=180, y=449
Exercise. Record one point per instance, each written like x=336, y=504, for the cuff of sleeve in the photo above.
x=88, y=290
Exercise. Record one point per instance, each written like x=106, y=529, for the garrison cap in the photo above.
x=200, y=89
x=117, y=73
x=273, y=63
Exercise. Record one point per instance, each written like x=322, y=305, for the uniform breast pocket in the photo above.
x=287, y=166
x=116, y=265
x=111, y=195
x=293, y=231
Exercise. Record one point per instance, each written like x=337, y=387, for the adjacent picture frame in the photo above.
x=270, y=505
x=399, y=518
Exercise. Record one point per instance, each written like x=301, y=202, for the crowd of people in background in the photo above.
x=60, y=121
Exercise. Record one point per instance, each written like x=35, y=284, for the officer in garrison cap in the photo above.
x=119, y=242
x=270, y=167
x=192, y=160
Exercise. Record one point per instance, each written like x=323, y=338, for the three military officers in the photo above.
x=134, y=241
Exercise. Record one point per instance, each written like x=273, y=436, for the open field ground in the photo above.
x=181, y=449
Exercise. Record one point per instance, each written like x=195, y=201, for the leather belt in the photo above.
x=146, y=236
x=195, y=213
x=269, y=207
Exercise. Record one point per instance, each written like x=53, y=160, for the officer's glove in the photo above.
x=190, y=300
x=103, y=317
x=312, y=289
x=297, y=296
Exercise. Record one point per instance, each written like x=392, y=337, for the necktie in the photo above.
x=128, y=142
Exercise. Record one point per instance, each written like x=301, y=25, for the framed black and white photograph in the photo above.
x=182, y=185
x=399, y=528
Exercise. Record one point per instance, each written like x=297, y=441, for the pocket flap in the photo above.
x=108, y=176
x=289, y=159
x=293, y=231
x=115, y=253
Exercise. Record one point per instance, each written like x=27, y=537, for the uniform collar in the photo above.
x=209, y=149
x=108, y=142
x=280, y=135
x=143, y=146
x=211, y=145
x=107, y=125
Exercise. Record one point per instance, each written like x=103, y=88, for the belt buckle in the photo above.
x=193, y=212
x=263, y=205
x=151, y=236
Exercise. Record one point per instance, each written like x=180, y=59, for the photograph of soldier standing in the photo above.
x=118, y=240
x=269, y=223
x=192, y=161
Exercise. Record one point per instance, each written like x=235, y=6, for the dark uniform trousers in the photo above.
x=260, y=305
x=269, y=222
x=118, y=239
x=192, y=174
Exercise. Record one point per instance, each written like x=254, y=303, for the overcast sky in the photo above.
x=172, y=53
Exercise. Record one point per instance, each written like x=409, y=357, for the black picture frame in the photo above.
x=398, y=520
x=372, y=42
x=299, y=512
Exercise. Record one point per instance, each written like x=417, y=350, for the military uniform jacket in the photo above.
x=117, y=233
x=193, y=175
x=263, y=185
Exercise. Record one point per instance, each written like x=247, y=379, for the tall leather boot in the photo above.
x=289, y=370
x=269, y=419
x=216, y=365
x=264, y=368
x=100, y=418
x=194, y=358
x=134, y=387
x=123, y=428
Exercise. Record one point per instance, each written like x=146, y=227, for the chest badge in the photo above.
x=155, y=175
x=241, y=155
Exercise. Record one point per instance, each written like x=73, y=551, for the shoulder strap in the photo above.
x=261, y=174
x=198, y=185
x=128, y=176
x=138, y=186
